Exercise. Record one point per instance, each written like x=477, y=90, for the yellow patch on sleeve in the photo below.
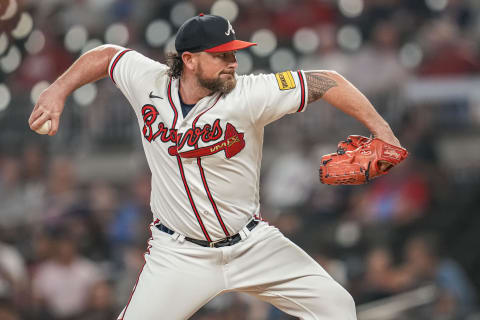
x=285, y=80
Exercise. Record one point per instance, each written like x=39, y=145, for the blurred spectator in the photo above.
x=381, y=278
x=101, y=304
x=7, y=311
x=375, y=69
x=61, y=193
x=47, y=64
x=133, y=214
x=288, y=181
x=424, y=262
x=328, y=55
x=11, y=193
x=34, y=162
x=447, y=51
x=91, y=223
x=289, y=16
x=22, y=187
x=62, y=284
x=400, y=197
x=13, y=276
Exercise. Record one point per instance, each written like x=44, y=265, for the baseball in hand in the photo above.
x=45, y=128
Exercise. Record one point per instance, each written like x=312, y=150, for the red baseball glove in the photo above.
x=358, y=160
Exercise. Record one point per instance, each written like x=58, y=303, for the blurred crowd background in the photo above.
x=74, y=208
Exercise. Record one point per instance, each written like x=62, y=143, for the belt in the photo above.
x=229, y=241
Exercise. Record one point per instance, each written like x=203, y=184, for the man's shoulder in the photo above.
x=144, y=63
x=253, y=83
x=151, y=70
x=251, y=78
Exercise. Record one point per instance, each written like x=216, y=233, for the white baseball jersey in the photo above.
x=205, y=167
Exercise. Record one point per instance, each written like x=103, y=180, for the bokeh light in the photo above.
x=37, y=89
x=306, y=40
x=91, y=44
x=24, y=26
x=5, y=97
x=225, y=8
x=347, y=233
x=349, y=37
x=351, y=8
x=410, y=55
x=158, y=31
x=283, y=59
x=10, y=11
x=181, y=12
x=266, y=42
x=76, y=38
x=3, y=43
x=245, y=62
x=35, y=42
x=11, y=61
x=117, y=33
x=436, y=5
x=86, y=94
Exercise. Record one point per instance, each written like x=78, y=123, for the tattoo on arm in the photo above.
x=318, y=84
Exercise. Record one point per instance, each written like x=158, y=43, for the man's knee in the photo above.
x=341, y=304
x=347, y=304
x=333, y=302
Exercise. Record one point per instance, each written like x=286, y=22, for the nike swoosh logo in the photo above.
x=151, y=96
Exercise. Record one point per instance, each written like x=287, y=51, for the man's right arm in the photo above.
x=90, y=67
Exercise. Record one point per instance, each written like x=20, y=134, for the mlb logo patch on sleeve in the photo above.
x=285, y=80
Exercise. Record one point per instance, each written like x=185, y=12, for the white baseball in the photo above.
x=45, y=128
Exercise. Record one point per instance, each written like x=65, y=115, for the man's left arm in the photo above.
x=336, y=90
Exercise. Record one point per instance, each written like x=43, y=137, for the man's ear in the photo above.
x=189, y=60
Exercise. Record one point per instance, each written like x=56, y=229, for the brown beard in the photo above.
x=217, y=85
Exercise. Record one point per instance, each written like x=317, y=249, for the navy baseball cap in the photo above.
x=208, y=33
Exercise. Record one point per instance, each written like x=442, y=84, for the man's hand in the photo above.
x=49, y=106
x=90, y=67
x=390, y=138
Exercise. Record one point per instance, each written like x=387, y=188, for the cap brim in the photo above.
x=231, y=46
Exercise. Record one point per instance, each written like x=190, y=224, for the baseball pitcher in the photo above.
x=202, y=128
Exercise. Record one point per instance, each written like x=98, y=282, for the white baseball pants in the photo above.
x=178, y=278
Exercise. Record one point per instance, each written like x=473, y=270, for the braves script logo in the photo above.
x=232, y=143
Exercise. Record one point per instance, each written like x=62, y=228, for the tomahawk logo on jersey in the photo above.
x=202, y=159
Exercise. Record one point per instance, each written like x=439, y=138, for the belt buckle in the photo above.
x=213, y=243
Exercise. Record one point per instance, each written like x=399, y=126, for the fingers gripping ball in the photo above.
x=45, y=128
x=359, y=160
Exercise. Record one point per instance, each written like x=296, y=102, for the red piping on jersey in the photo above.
x=210, y=197
x=201, y=114
x=179, y=161
x=202, y=174
x=115, y=63
x=302, y=85
x=141, y=270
